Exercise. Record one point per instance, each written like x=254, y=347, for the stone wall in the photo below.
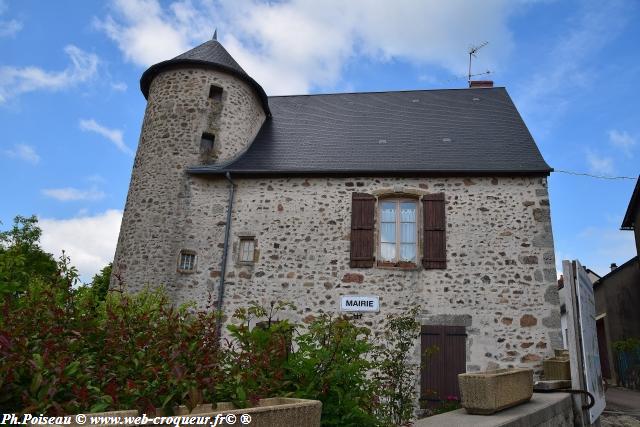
x=543, y=410
x=500, y=280
x=178, y=112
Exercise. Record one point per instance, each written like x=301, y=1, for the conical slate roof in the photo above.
x=211, y=55
x=212, y=52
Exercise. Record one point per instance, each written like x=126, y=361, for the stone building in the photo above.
x=435, y=198
x=617, y=297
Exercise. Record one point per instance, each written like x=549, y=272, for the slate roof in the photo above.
x=210, y=54
x=634, y=202
x=606, y=277
x=434, y=132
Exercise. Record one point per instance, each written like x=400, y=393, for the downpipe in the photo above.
x=225, y=251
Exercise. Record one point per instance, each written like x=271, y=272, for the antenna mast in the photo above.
x=472, y=52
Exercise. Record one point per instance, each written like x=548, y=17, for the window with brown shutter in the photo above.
x=362, y=220
x=398, y=232
x=434, y=250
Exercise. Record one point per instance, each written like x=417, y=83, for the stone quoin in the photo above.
x=434, y=198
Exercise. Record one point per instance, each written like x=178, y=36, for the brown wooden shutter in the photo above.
x=434, y=243
x=362, y=220
x=440, y=369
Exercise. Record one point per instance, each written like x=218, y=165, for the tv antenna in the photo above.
x=472, y=53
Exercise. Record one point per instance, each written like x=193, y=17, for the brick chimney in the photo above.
x=481, y=83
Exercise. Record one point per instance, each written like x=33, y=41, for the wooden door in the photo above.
x=602, y=349
x=443, y=350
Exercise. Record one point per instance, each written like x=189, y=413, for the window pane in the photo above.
x=388, y=232
x=187, y=261
x=388, y=251
x=388, y=212
x=246, y=250
x=243, y=250
x=408, y=232
x=408, y=212
x=407, y=252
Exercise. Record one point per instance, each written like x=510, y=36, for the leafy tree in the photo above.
x=100, y=282
x=21, y=257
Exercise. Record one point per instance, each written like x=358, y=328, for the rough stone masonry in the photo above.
x=500, y=280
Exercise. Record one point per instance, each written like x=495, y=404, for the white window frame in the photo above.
x=187, y=253
x=250, y=252
x=398, y=223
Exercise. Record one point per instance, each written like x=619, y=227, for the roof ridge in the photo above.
x=389, y=91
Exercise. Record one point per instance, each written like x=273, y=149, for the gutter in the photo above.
x=205, y=170
x=225, y=250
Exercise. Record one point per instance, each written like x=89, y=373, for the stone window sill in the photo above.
x=402, y=266
x=186, y=271
x=246, y=263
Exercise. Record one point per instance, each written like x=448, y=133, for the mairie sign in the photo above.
x=360, y=303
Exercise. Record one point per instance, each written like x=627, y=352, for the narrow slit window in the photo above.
x=215, y=93
x=247, y=249
x=206, y=144
x=187, y=261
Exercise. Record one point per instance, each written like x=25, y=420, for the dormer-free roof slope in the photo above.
x=455, y=131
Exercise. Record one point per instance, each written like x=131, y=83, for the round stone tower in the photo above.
x=202, y=108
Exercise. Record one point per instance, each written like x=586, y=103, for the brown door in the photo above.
x=443, y=351
x=602, y=349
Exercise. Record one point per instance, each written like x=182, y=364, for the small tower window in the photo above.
x=206, y=144
x=247, y=250
x=187, y=261
x=215, y=93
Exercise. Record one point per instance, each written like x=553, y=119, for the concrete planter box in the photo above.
x=271, y=412
x=488, y=392
x=561, y=352
x=556, y=368
x=121, y=414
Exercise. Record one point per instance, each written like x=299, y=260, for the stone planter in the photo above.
x=488, y=392
x=120, y=414
x=271, y=412
x=561, y=352
x=556, y=368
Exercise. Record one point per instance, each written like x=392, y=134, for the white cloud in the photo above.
x=119, y=86
x=8, y=28
x=113, y=135
x=296, y=45
x=622, y=140
x=90, y=241
x=568, y=69
x=18, y=80
x=599, y=164
x=147, y=34
x=606, y=245
x=72, y=194
x=23, y=152
x=97, y=178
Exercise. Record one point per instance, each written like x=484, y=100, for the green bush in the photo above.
x=396, y=377
x=64, y=351
x=67, y=350
x=629, y=344
x=332, y=365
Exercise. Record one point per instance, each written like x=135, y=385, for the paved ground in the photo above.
x=623, y=408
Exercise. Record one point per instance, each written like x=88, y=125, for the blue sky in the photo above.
x=71, y=108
